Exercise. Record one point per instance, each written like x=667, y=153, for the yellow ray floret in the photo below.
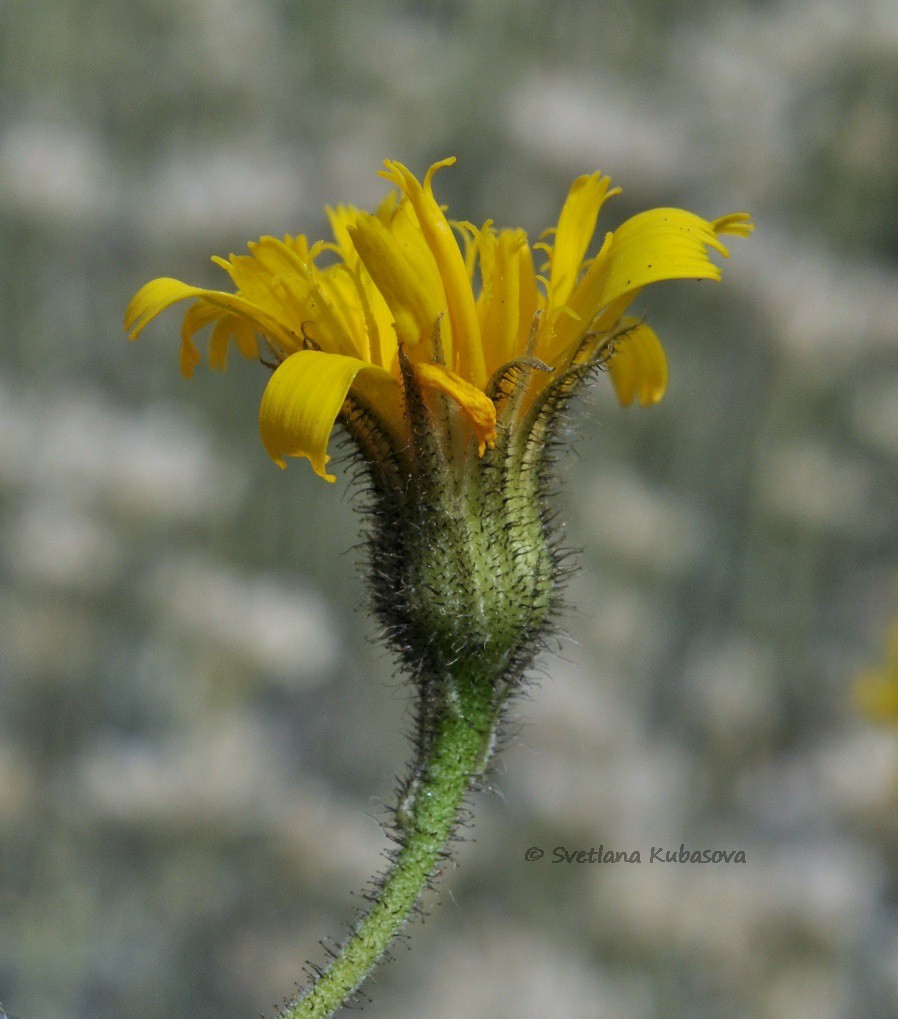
x=638, y=366
x=509, y=297
x=334, y=313
x=576, y=225
x=414, y=306
x=479, y=408
x=661, y=244
x=161, y=293
x=301, y=403
x=451, y=264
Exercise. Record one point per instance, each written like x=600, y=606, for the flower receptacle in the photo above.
x=464, y=573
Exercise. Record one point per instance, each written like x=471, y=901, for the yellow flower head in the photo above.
x=396, y=298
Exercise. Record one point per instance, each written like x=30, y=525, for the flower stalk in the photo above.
x=453, y=764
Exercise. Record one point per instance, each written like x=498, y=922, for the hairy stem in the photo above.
x=462, y=732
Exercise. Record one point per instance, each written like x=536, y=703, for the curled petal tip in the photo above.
x=739, y=224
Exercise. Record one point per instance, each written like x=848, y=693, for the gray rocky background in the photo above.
x=197, y=736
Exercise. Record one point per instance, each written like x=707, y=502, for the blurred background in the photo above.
x=197, y=734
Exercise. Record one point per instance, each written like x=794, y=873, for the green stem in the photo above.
x=455, y=759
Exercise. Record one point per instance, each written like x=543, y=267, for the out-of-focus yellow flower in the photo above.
x=335, y=314
x=876, y=690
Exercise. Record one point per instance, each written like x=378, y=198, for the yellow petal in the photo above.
x=218, y=346
x=406, y=229
x=159, y=294
x=479, y=408
x=280, y=276
x=198, y=316
x=576, y=225
x=303, y=398
x=291, y=270
x=468, y=353
x=638, y=366
x=244, y=335
x=155, y=297
x=529, y=298
x=342, y=217
x=414, y=307
x=152, y=298
x=469, y=237
x=509, y=297
x=737, y=223
x=661, y=244
x=228, y=328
